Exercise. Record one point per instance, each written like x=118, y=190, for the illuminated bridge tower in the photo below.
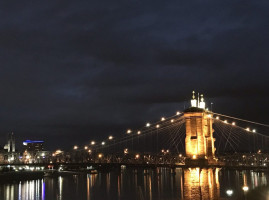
x=199, y=141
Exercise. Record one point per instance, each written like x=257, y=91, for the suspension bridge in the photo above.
x=194, y=137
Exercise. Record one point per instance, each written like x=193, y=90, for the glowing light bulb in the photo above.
x=247, y=129
x=110, y=137
x=148, y=125
x=75, y=147
x=245, y=188
x=254, y=131
x=162, y=119
x=217, y=117
x=138, y=132
x=172, y=120
x=229, y=192
x=225, y=121
x=157, y=126
x=129, y=131
x=92, y=142
x=103, y=143
x=85, y=147
x=233, y=123
x=178, y=113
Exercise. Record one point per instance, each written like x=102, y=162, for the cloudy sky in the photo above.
x=72, y=71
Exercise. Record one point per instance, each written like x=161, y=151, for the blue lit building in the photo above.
x=31, y=145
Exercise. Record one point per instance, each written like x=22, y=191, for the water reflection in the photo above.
x=28, y=190
x=201, y=184
x=147, y=184
x=60, y=183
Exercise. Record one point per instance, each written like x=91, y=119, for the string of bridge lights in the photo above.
x=139, y=132
x=247, y=129
x=146, y=129
x=252, y=122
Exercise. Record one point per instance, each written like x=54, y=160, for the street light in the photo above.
x=129, y=131
x=103, y=143
x=125, y=151
x=92, y=142
x=110, y=137
x=148, y=125
x=245, y=188
x=75, y=147
x=138, y=132
x=229, y=192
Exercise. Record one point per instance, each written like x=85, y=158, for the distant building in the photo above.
x=31, y=145
x=9, y=154
x=10, y=146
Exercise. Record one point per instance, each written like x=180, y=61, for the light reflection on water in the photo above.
x=201, y=184
x=147, y=184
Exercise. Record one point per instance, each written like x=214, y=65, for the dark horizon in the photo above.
x=76, y=71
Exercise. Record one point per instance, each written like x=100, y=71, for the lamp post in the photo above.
x=111, y=138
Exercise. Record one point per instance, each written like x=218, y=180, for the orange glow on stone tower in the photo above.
x=199, y=141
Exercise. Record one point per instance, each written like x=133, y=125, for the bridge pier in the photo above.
x=199, y=141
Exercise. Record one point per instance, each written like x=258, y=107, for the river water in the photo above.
x=144, y=184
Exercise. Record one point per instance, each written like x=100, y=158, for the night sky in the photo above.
x=73, y=71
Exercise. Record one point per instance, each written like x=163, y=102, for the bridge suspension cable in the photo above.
x=164, y=123
x=265, y=125
x=245, y=130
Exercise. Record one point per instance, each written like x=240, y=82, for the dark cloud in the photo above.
x=73, y=71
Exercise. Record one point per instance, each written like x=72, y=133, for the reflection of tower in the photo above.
x=201, y=184
x=199, y=133
x=10, y=146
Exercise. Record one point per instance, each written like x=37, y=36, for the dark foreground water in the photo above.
x=130, y=184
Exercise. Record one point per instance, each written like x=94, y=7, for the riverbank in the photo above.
x=20, y=176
